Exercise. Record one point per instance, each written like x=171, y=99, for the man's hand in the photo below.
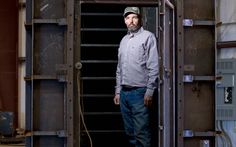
x=147, y=100
x=117, y=99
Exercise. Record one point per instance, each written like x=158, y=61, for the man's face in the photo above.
x=132, y=22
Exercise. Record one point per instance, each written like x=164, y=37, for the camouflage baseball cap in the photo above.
x=129, y=10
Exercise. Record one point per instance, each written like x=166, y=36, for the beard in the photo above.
x=133, y=28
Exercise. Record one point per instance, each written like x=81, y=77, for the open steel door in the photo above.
x=167, y=102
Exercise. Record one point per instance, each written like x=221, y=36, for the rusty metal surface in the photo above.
x=199, y=106
x=196, y=57
x=199, y=50
x=200, y=10
x=180, y=70
x=226, y=44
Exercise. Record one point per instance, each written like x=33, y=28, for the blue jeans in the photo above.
x=136, y=117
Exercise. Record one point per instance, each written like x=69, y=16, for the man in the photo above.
x=136, y=75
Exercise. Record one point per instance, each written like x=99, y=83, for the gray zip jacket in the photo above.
x=138, y=64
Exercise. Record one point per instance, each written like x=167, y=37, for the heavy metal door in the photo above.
x=195, y=73
x=49, y=73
